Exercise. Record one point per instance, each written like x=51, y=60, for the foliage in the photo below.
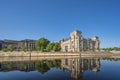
x=50, y=46
x=53, y=46
x=111, y=48
x=85, y=48
x=112, y=59
x=5, y=49
x=43, y=66
x=41, y=44
x=57, y=47
x=98, y=48
x=24, y=48
x=10, y=48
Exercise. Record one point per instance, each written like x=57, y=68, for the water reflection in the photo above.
x=76, y=67
x=42, y=66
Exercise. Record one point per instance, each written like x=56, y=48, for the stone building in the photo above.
x=76, y=43
x=6, y=42
x=29, y=44
x=18, y=45
x=1, y=44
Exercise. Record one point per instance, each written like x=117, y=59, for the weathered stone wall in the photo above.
x=40, y=54
x=28, y=56
x=63, y=44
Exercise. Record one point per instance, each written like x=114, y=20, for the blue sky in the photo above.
x=55, y=19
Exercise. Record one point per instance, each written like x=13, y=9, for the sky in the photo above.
x=56, y=19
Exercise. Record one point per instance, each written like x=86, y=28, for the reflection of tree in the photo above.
x=112, y=59
x=44, y=66
x=57, y=63
x=49, y=64
x=41, y=66
x=21, y=66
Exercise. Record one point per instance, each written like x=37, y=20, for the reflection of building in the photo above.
x=90, y=64
x=22, y=66
x=78, y=66
x=18, y=45
x=72, y=65
x=76, y=43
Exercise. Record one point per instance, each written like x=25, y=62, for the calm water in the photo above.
x=64, y=69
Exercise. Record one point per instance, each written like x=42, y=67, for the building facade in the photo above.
x=18, y=45
x=1, y=44
x=29, y=44
x=77, y=43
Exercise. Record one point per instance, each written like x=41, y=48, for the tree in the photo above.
x=57, y=47
x=98, y=49
x=41, y=66
x=5, y=49
x=85, y=48
x=41, y=44
x=24, y=48
x=50, y=46
x=10, y=48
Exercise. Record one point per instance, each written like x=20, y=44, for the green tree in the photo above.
x=41, y=66
x=85, y=48
x=57, y=47
x=98, y=49
x=24, y=48
x=5, y=49
x=41, y=44
x=10, y=48
x=50, y=46
x=104, y=49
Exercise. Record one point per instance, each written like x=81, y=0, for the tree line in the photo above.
x=42, y=44
x=42, y=66
x=111, y=49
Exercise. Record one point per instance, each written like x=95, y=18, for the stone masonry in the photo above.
x=77, y=43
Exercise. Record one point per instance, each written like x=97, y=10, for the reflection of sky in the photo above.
x=52, y=74
x=109, y=70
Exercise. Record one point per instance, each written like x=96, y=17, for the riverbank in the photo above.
x=30, y=56
x=53, y=54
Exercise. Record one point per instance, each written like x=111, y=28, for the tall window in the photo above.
x=66, y=48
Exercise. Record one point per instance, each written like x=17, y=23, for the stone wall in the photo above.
x=41, y=54
x=28, y=56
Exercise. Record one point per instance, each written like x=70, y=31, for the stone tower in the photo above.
x=76, y=41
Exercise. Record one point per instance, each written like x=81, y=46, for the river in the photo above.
x=61, y=69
